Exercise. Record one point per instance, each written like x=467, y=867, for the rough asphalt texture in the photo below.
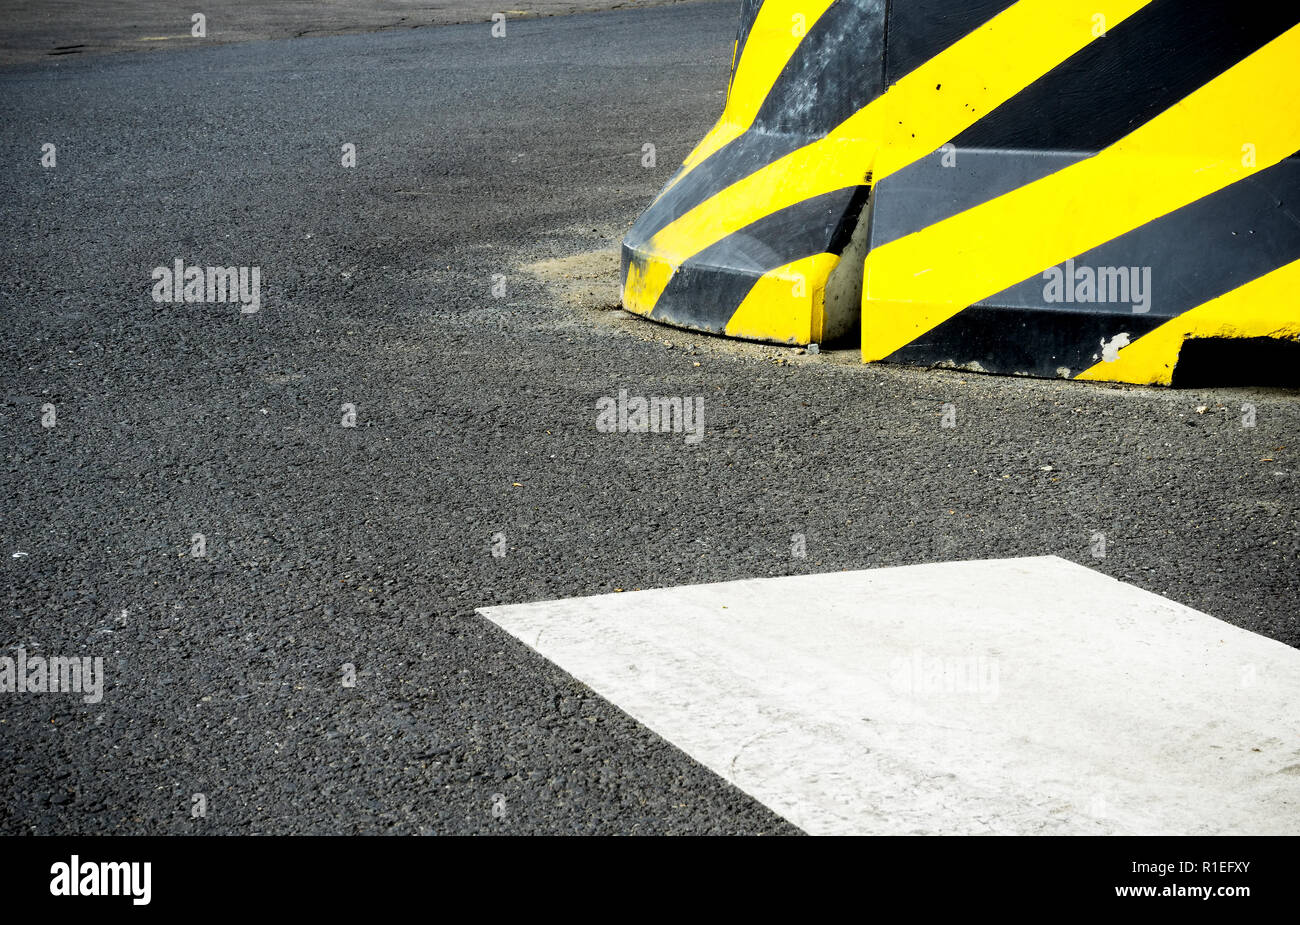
x=36, y=30
x=372, y=545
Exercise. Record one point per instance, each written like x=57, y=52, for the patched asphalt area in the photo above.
x=372, y=545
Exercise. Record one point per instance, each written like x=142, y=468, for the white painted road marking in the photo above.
x=1029, y=696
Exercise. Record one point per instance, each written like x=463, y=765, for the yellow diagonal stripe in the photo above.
x=1190, y=150
x=777, y=31
x=786, y=303
x=1268, y=306
x=974, y=75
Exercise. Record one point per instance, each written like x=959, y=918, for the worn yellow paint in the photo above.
x=650, y=274
x=1264, y=307
x=787, y=303
x=1189, y=151
x=1027, y=39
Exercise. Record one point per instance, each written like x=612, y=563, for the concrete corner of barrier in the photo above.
x=1057, y=188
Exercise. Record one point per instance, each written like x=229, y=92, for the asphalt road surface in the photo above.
x=36, y=30
x=327, y=546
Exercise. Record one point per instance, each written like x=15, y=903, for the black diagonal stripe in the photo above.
x=920, y=29
x=707, y=289
x=1018, y=341
x=834, y=72
x=736, y=160
x=940, y=185
x=1144, y=65
x=1140, y=68
x=1196, y=253
x=837, y=69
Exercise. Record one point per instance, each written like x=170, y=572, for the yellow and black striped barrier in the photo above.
x=1040, y=187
